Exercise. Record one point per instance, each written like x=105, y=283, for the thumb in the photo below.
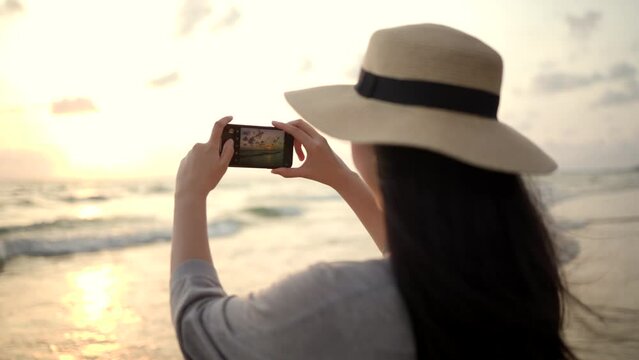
x=287, y=172
x=227, y=152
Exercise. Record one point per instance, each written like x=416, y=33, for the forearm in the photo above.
x=359, y=197
x=190, y=234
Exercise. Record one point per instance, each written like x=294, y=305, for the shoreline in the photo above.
x=105, y=304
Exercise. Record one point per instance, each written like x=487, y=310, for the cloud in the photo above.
x=557, y=81
x=583, y=26
x=621, y=78
x=628, y=94
x=165, y=80
x=71, y=106
x=627, y=74
x=10, y=7
x=193, y=12
x=624, y=70
x=230, y=19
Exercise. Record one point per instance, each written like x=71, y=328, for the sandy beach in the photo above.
x=113, y=304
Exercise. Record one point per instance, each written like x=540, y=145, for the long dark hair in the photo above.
x=473, y=259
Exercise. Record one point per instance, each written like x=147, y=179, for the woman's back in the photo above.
x=332, y=310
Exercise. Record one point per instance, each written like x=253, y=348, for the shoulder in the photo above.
x=330, y=289
x=339, y=277
x=352, y=307
x=353, y=276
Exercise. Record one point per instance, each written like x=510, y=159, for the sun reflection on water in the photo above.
x=96, y=309
x=96, y=294
x=89, y=212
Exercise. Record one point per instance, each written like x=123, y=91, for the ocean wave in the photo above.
x=67, y=223
x=568, y=249
x=24, y=202
x=144, y=189
x=562, y=224
x=561, y=187
x=75, y=235
x=17, y=202
x=65, y=243
x=318, y=197
x=224, y=227
x=159, y=189
x=52, y=247
x=76, y=199
x=615, y=219
x=274, y=212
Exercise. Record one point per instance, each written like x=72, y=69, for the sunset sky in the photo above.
x=96, y=89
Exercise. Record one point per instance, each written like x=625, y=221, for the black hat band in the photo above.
x=429, y=94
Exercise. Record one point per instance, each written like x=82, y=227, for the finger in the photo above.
x=227, y=152
x=288, y=172
x=310, y=130
x=298, y=150
x=297, y=133
x=216, y=133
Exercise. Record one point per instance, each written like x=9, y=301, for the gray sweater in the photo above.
x=332, y=310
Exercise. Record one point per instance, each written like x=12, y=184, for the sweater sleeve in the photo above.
x=194, y=287
x=288, y=320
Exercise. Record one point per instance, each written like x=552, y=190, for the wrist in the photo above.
x=189, y=197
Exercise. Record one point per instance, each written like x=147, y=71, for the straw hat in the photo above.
x=426, y=86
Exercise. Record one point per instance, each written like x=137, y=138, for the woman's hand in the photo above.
x=203, y=167
x=325, y=166
x=321, y=164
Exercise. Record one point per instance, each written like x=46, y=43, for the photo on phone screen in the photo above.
x=259, y=146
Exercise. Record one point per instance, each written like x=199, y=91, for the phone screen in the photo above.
x=259, y=146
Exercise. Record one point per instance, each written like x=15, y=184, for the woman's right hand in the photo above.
x=322, y=164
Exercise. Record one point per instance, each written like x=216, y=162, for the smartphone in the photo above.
x=259, y=146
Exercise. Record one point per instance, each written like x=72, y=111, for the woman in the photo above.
x=469, y=270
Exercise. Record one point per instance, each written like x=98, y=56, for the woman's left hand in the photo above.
x=202, y=168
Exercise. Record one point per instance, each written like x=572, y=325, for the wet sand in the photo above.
x=114, y=304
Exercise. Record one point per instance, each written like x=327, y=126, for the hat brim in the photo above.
x=339, y=111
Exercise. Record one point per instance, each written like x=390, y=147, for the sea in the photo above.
x=51, y=218
x=86, y=262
